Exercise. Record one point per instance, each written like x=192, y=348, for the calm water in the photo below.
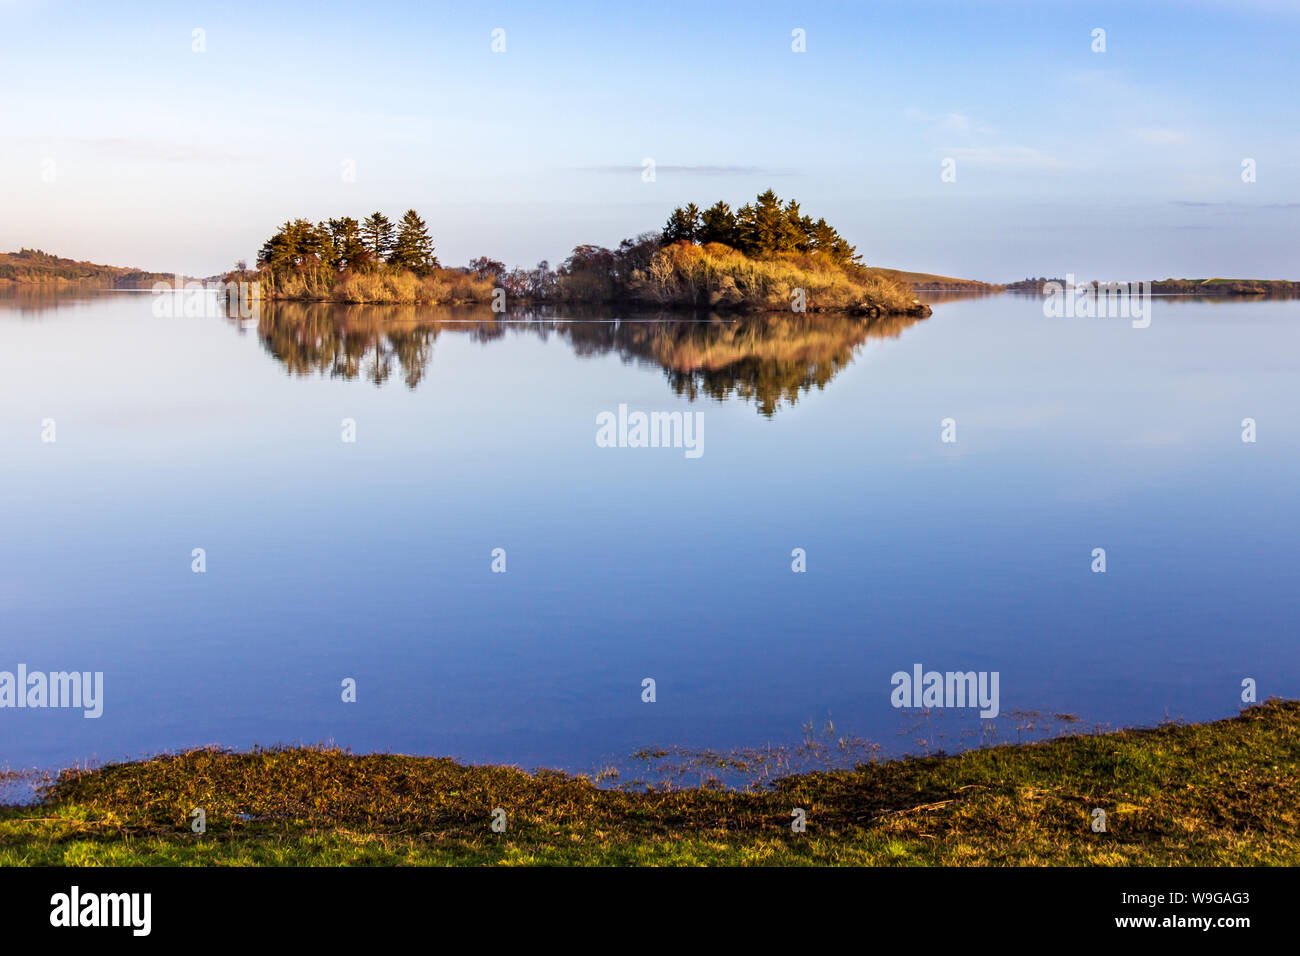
x=372, y=559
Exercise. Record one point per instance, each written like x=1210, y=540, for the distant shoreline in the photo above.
x=1188, y=287
x=36, y=269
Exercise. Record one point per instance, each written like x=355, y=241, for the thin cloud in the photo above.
x=977, y=136
x=131, y=147
x=1005, y=157
x=689, y=170
x=1201, y=204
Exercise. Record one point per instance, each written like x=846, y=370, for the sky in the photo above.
x=131, y=139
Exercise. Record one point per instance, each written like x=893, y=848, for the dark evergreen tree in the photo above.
x=345, y=239
x=296, y=244
x=682, y=225
x=377, y=232
x=413, y=247
x=718, y=224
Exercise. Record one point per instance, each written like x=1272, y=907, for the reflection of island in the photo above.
x=768, y=358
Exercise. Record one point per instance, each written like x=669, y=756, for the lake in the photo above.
x=326, y=559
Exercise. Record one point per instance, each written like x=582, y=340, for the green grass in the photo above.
x=1223, y=793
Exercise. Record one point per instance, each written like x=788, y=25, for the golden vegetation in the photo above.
x=716, y=276
x=382, y=284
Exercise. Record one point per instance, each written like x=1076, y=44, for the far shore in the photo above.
x=1191, y=287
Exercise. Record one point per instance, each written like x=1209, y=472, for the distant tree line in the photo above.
x=1032, y=285
x=762, y=228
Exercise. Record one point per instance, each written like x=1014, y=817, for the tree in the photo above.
x=349, y=250
x=825, y=240
x=292, y=246
x=633, y=254
x=718, y=224
x=682, y=225
x=541, y=281
x=770, y=227
x=315, y=242
x=485, y=268
x=746, y=237
x=413, y=248
x=794, y=237
x=377, y=231
x=588, y=274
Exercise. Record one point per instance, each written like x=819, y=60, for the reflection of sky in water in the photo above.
x=371, y=560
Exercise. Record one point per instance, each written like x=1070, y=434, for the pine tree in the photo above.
x=413, y=248
x=824, y=239
x=718, y=224
x=682, y=225
x=277, y=253
x=292, y=246
x=770, y=224
x=746, y=230
x=377, y=231
x=349, y=249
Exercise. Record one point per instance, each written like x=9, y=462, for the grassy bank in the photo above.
x=1223, y=793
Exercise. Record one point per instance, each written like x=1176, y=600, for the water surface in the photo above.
x=372, y=560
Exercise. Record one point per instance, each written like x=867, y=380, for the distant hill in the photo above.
x=33, y=266
x=934, y=283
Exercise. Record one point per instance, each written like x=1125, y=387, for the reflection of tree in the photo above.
x=347, y=341
x=767, y=359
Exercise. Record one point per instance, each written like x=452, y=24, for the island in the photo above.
x=766, y=256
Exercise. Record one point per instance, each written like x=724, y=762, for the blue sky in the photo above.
x=121, y=144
